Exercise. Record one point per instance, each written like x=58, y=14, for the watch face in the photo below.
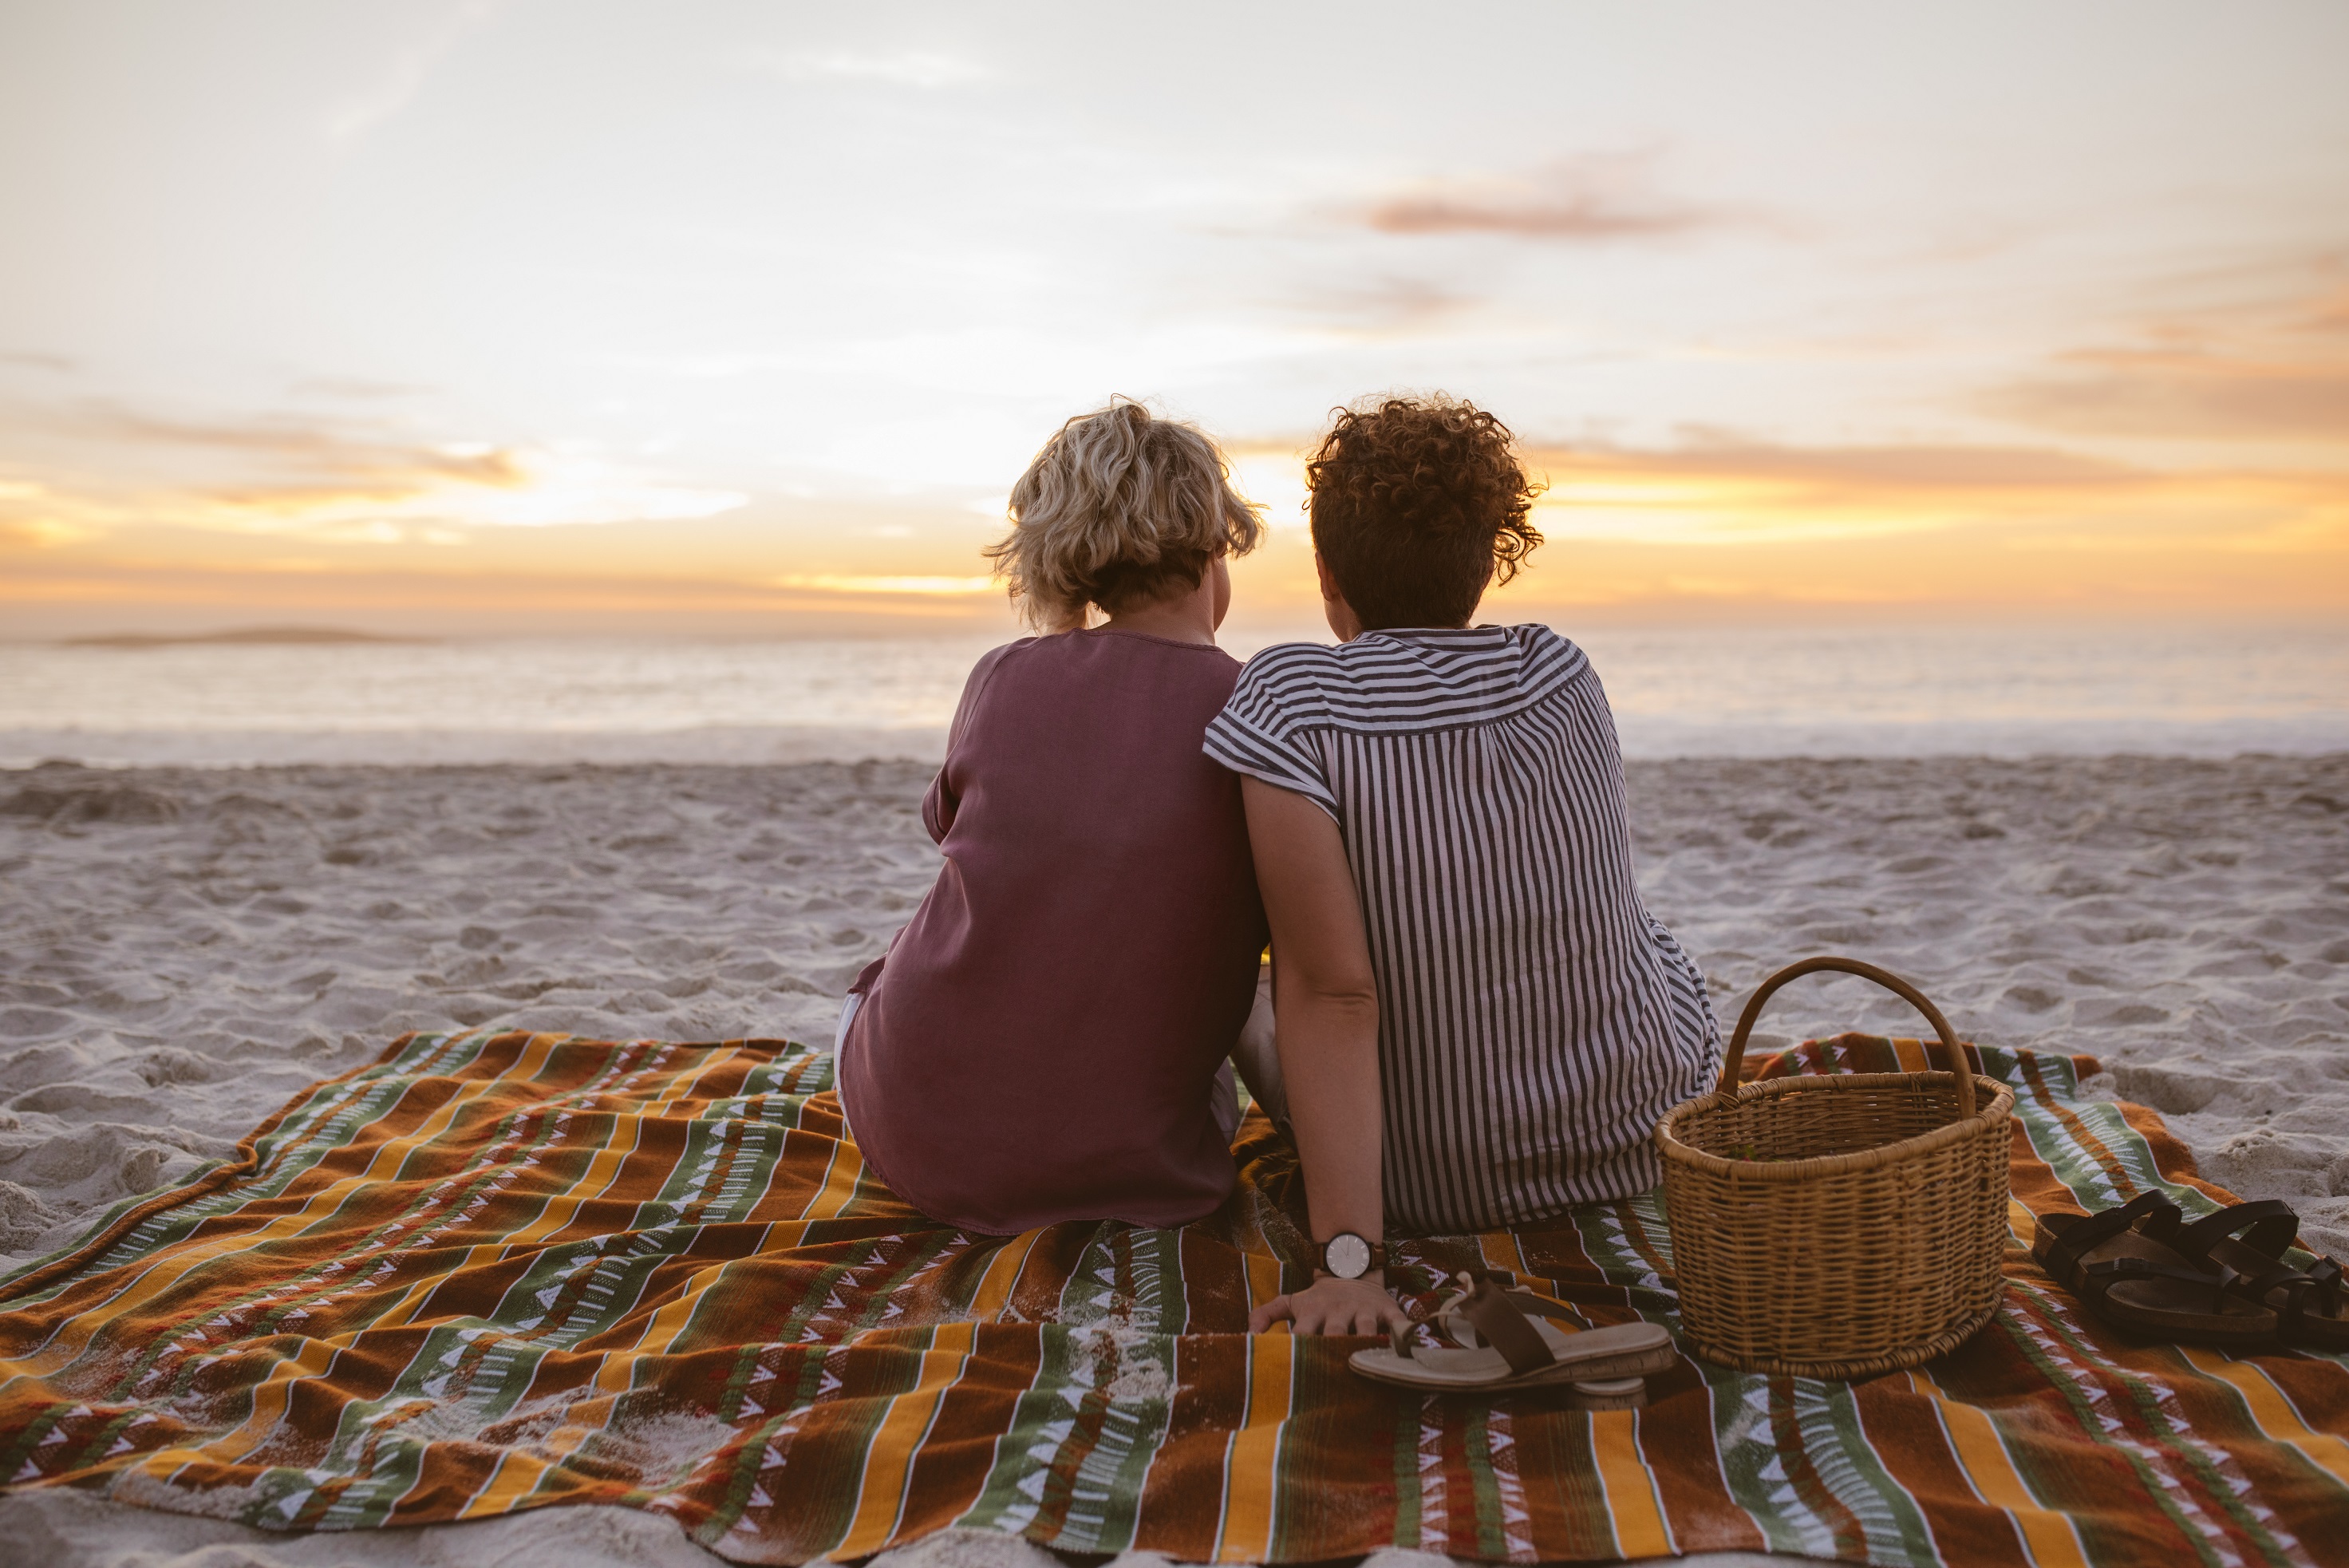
x=1348, y=1256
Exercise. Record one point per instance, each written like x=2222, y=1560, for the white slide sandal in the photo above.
x=1520, y=1348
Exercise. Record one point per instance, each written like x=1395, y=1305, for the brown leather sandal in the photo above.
x=1520, y=1350
x=2245, y=1244
x=2123, y=1267
x=2315, y=1308
x=2153, y=1214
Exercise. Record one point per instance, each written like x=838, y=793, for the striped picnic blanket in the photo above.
x=502, y=1272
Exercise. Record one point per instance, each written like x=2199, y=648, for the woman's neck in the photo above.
x=1184, y=618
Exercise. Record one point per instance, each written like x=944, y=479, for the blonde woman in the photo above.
x=1043, y=1041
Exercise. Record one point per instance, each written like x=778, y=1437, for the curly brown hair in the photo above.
x=1417, y=503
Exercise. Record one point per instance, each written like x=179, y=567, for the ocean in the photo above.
x=2002, y=691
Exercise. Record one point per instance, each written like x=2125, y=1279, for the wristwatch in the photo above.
x=1348, y=1257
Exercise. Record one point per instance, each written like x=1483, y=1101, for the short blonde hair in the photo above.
x=1119, y=508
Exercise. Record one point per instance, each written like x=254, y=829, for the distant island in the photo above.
x=269, y=636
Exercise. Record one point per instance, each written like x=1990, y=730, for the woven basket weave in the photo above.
x=1837, y=1225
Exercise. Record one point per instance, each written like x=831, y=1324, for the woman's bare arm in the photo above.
x=1326, y=1008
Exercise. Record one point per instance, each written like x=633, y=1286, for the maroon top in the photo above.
x=1039, y=1042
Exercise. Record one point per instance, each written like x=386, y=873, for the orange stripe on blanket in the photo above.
x=889, y=1461
x=840, y=1180
x=1632, y=1506
x=1262, y=1273
x=1002, y=1277
x=2271, y=1413
x=517, y=1476
x=271, y=1401
x=2047, y=1537
x=1252, y=1458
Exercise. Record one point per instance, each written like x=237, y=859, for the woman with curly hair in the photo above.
x=1478, y=1022
x=1091, y=940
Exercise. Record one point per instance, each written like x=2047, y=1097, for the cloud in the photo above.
x=398, y=87
x=715, y=365
x=914, y=68
x=450, y=590
x=356, y=389
x=1716, y=487
x=2331, y=315
x=2253, y=351
x=35, y=516
x=34, y=532
x=1381, y=307
x=1719, y=490
x=2190, y=393
x=924, y=586
x=1831, y=474
x=285, y=475
x=1592, y=199
x=311, y=450
x=528, y=489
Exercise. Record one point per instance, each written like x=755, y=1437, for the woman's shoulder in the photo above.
x=1299, y=657
x=982, y=673
x=1293, y=668
x=1411, y=679
x=1283, y=687
x=1546, y=666
x=1543, y=645
x=1097, y=664
x=977, y=684
x=1376, y=655
x=997, y=654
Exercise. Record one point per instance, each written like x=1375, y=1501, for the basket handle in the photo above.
x=1885, y=978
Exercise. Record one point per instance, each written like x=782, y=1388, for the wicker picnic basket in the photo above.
x=1841, y=1225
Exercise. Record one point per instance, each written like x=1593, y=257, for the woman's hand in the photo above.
x=1332, y=1306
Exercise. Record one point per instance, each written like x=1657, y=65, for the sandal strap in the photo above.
x=2321, y=1282
x=2256, y=1288
x=2097, y=1280
x=2325, y=1282
x=2221, y=1279
x=1503, y=1324
x=1535, y=1304
x=2295, y=1303
x=2163, y=1224
x=2266, y=1225
x=2094, y=1230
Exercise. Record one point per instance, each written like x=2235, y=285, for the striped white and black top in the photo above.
x=1535, y=1020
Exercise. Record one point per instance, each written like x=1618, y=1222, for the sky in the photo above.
x=742, y=318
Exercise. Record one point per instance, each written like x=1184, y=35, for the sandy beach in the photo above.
x=188, y=947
